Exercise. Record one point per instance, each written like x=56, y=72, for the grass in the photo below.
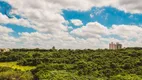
x=15, y=66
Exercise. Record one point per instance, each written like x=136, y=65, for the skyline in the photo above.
x=70, y=24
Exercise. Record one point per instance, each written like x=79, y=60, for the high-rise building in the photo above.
x=115, y=46
x=118, y=46
x=112, y=45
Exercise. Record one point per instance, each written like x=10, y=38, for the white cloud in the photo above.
x=45, y=15
x=92, y=29
x=131, y=34
x=77, y=22
x=98, y=11
x=34, y=36
x=5, y=30
x=5, y=39
x=126, y=31
x=48, y=21
x=91, y=15
x=5, y=20
x=132, y=6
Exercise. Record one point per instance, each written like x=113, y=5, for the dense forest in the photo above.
x=62, y=64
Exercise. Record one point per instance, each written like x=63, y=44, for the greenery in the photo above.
x=62, y=64
x=14, y=65
x=7, y=73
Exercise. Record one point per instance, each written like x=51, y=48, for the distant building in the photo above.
x=118, y=46
x=112, y=46
x=115, y=46
x=4, y=50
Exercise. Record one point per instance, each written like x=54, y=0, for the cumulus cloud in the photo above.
x=77, y=22
x=132, y=6
x=126, y=31
x=35, y=35
x=5, y=20
x=46, y=14
x=45, y=17
x=5, y=30
x=5, y=39
x=130, y=34
x=92, y=29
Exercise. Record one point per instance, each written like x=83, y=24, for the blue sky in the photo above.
x=5, y=9
x=44, y=21
x=107, y=16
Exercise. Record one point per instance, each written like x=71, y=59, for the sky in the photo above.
x=70, y=24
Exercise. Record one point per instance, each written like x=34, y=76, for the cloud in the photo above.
x=5, y=39
x=5, y=30
x=98, y=11
x=91, y=15
x=130, y=34
x=77, y=22
x=45, y=16
x=95, y=29
x=92, y=29
x=5, y=20
x=35, y=35
x=132, y=6
x=126, y=31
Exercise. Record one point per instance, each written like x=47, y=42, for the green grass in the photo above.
x=15, y=66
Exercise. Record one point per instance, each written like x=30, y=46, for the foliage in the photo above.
x=11, y=74
x=62, y=64
x=14, y=65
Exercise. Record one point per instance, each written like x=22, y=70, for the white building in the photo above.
x=4, y=50
x=115, y=46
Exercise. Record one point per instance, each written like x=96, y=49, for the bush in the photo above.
x=15, y=75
